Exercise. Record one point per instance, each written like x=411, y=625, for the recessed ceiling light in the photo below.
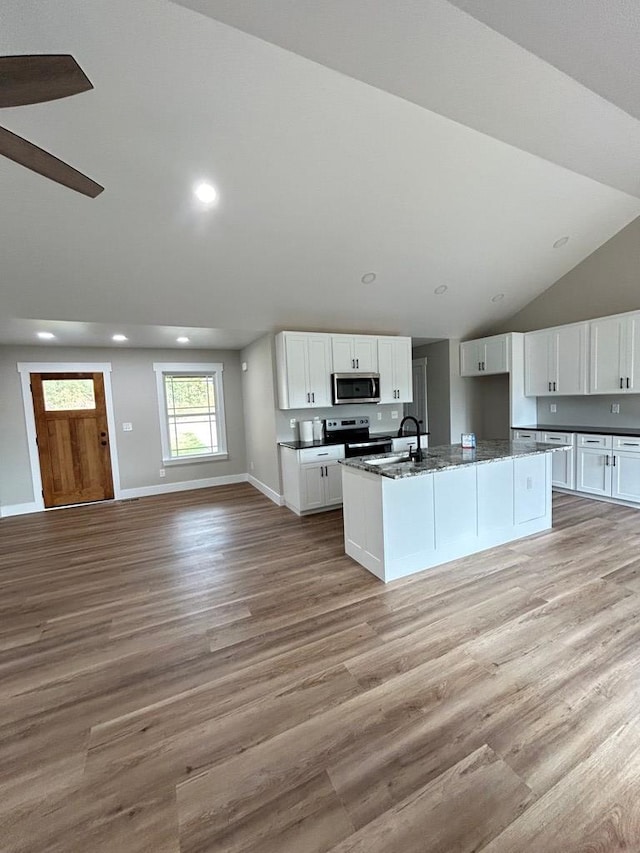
x=368, y=277
x=441, y=289
x=182, y=340
x=119, y=338
x=46, y=336
x=206, y=193
x=498, y=297
x=561, y=242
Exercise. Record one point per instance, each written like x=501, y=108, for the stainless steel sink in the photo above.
x=389, y=460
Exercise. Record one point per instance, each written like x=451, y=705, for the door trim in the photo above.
x=25, y=368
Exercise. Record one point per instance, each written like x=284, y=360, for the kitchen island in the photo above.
x=402, y=516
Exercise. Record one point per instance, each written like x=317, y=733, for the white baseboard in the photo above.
x=186, y=486
x=19, y=509
x=266, y=490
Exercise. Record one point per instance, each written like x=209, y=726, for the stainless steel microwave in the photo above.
x=355, y=388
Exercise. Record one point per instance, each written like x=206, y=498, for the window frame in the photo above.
x=215, y=370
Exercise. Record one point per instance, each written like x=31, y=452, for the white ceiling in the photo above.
x=322, y=178
x=594, y=41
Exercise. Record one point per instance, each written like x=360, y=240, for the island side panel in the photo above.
x=409, y=525
x=362, y=513
x=532, y=490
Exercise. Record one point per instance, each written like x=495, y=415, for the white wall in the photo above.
x=133, y=382
x=259, y=395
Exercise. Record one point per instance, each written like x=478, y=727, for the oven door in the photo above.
x=355, y=388
x=367, y=448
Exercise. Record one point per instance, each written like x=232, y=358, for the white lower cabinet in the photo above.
x=593, y=471
x=563, y=465
x=625, y=475
x=312, y=478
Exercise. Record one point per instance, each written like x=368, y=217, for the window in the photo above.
x=191, y=405
x=68, y=394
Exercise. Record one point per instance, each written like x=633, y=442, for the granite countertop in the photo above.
x=590, y=430
x=450, y=456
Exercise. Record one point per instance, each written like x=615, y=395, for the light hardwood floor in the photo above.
x=208, y=672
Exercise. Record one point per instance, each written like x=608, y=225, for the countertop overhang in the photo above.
x=449, y=456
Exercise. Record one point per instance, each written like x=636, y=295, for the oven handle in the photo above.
x=368, y=444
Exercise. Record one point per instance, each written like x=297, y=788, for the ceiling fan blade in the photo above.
x=38, y=160
x=34, y=79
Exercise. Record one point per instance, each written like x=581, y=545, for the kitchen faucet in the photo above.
x=416, y=455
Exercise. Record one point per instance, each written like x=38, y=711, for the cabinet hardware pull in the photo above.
x=324, y=454
x=621, y=382
x=607, y=460
x=630, y=443
x=308, y=398
x=479, y=368
x=614, y=460
x=358, y=363
x=313, y=397
x=591, y=441
x=326, y=470
x=628, y=382
x=554, y=386
x=549, y=386
x=322, y=470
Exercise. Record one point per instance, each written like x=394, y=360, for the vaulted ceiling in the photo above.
x=406, y=139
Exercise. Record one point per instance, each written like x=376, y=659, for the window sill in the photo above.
x=192, y=460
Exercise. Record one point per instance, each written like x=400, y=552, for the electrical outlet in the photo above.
x=394, y=415
x=553, y=407
x=162, y=472
x=127, y=427
x=379, y=415
x=292, y=423
x=615, y=408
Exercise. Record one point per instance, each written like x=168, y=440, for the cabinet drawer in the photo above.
x=626, y=442
x=524, y=435
x=321, y=454
x=557, y=437
x=595, y=441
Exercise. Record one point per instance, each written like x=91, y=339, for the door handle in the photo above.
x=103, y=435
x=103, y=443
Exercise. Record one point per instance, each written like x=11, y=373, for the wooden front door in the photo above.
x=73, y=437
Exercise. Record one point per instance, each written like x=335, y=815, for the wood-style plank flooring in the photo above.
x=207, y=672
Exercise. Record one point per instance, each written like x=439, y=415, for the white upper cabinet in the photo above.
x=354, y=353
x=485, y=355
x=615, y=355
x=555, y=361
x=304, y=370
x=395, y=367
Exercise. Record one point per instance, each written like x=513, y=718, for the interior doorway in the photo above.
x=72, y=436
x=418, y=408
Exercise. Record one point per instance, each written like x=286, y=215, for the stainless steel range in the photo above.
x=354, y=434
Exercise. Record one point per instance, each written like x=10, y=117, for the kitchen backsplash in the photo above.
x=386, y=424
x=591, y=411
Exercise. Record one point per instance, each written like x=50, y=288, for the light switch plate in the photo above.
x=127, y=427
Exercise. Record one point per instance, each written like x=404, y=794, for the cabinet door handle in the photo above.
x=606, y=460
x=322, y=470
x=313, y=397
x=591, y=441
x=614, y=460
x=479, y=368
x=324, y=454
x=483, y=367
x=549, y=386
x=621, y=382
x=628, y=382
x=554, y=387
x=358, y=363
x=326, y=470
x=308, y=398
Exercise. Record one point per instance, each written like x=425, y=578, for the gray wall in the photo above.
x=591, y=411
x=133, y=384
x=607, y=282
x=386, y=424
x=259, y=395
